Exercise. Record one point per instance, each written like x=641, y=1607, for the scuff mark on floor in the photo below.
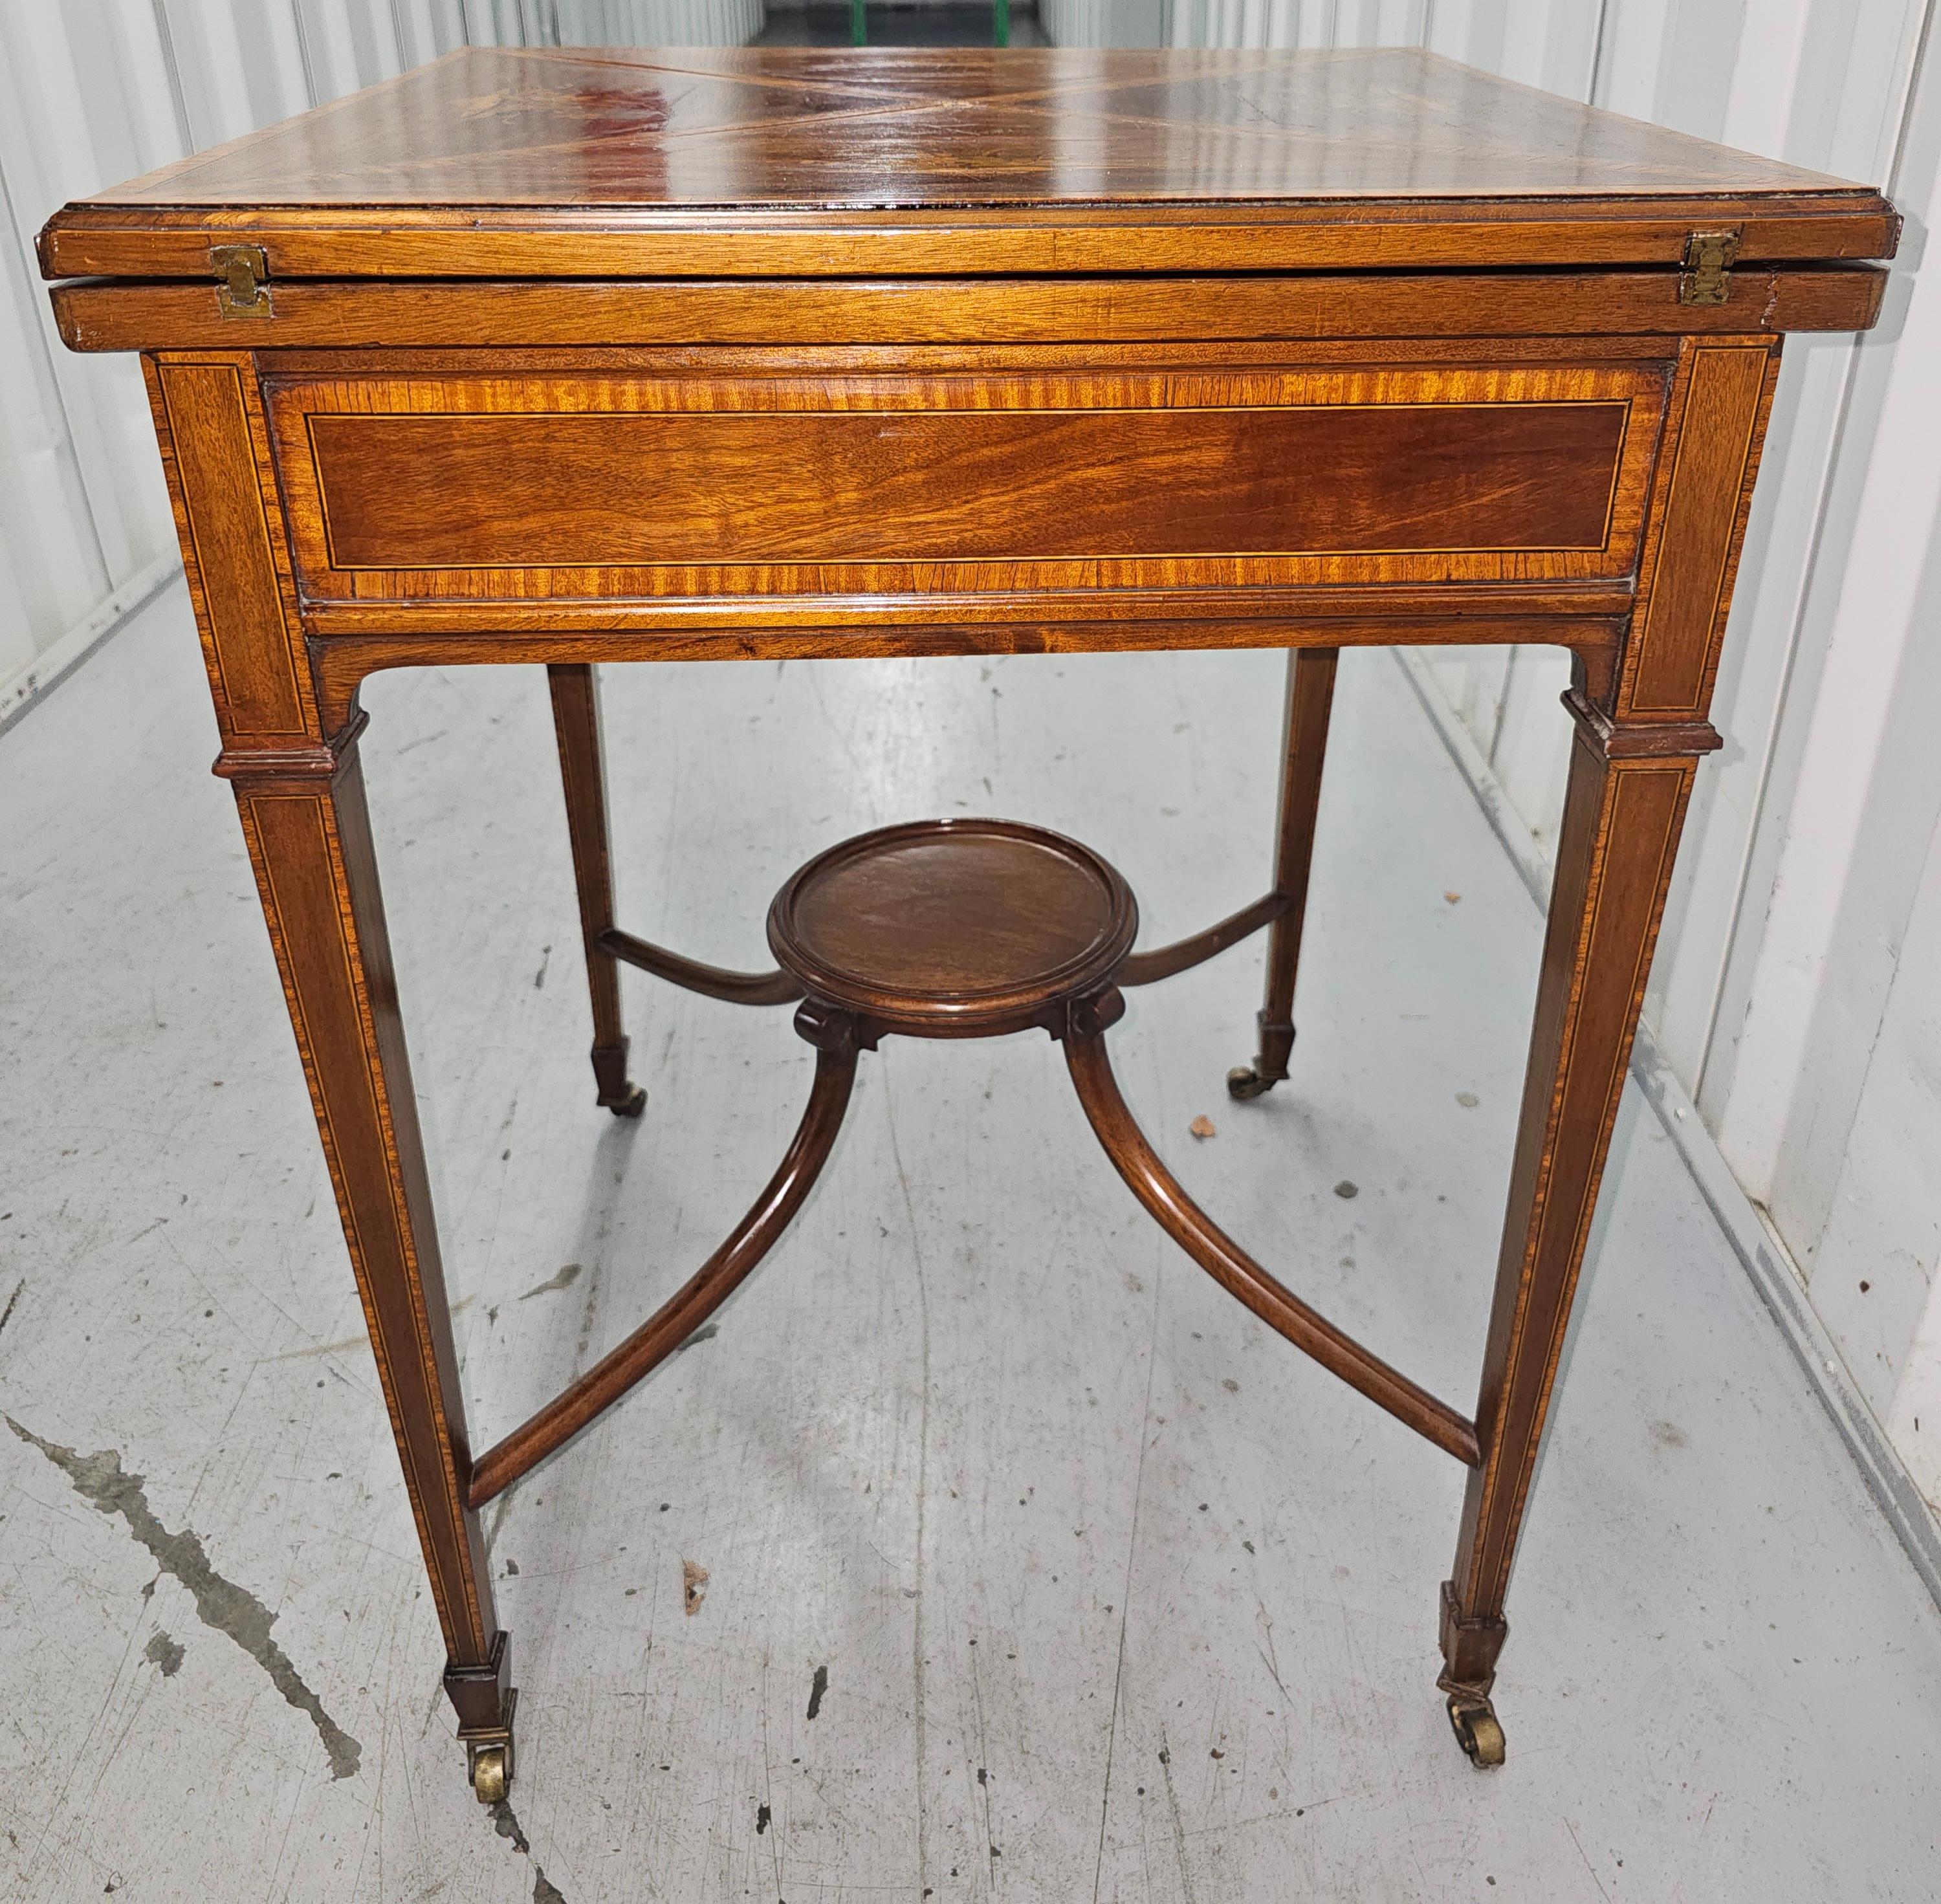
x=545, y=1891
x=166, y=1652
x=1270, y=1654
x=564, y=1277
x=498, y=1519
x=360, y=1340
x=818, y=1687
x=219, y=1603
x=320, y=1348
x=7, y=1314
x=1178, y=1821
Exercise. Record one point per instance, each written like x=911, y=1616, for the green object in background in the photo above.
x=1000, y=23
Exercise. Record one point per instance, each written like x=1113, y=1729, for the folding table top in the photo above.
x=754, y=162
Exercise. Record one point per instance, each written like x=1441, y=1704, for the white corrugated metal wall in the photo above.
x=94, y=91
x=1797, y=993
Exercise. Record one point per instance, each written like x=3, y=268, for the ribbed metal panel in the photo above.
x=92, y=91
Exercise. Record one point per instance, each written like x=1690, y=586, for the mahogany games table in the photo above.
x=580, y=357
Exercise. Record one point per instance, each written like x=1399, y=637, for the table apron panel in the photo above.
x=610, y=488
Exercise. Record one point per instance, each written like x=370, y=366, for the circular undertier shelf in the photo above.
x=954, y=928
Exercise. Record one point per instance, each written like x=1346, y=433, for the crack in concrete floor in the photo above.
x=220, y=1604
x=505, y=1823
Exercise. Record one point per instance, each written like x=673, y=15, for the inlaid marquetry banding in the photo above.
x=1688, y=586
x=206, y=416
x=97, y=315
x=255, y=769
x=1633, y=841
x=437, y=490
x=295, y=845
x=1642, y=740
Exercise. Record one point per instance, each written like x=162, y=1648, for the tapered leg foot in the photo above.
x=1470, y=1645
x=1310, y=695
x=618, y=1092
x=1269, y=1066
x=485, y=1704
x=575, y=711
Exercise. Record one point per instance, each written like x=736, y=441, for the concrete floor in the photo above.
x=1110, y=1594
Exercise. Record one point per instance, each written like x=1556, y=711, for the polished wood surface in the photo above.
x=1304, y=750
x=209, y=420
x=789, y=125
x=1158, y=962
x=692, y=488
x=569, y=164
x=582, y=774
x=1625, y=808
x=1621, y=821
x=970, y=928
x=576, y=358
x=956, y=929
x=104, y=315
x=1707, y=490
x=953, y=928
x=733, y=987
x=308, y=833
x=1103, y=476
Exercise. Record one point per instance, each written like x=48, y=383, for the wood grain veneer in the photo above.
x=696, y=488
x=768, y=161
x=571, y=357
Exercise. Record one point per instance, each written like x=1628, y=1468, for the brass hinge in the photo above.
x=1706, y=278
x=241, y=269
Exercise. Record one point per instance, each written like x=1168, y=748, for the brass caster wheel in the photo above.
x=1476, y=1731
x=1244, y=1082
x=631, y=1106
x=488, y=1753
x=489, y=1780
